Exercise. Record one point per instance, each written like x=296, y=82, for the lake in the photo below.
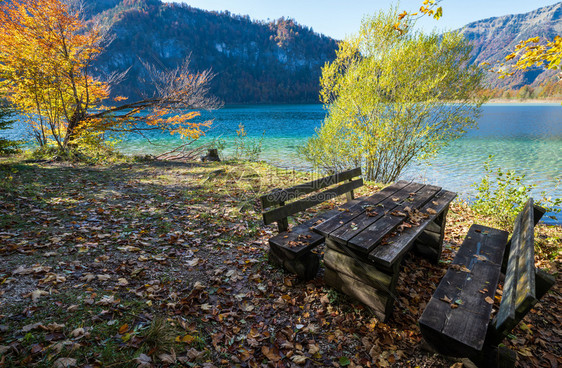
x=526, y=138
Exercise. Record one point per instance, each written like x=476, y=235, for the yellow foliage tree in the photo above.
x=533, y=52
x=46, y=53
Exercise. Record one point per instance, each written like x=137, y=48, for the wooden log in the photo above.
x=212, y=155
x=494, y=357
x=353, y=267
x=538, y=213
x=305, y=267
x=373, y=298
x=428, y=245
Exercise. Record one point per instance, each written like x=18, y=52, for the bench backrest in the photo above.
x=278, y=197
x=519, y=286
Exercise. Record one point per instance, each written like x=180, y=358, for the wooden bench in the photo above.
x=456, y=321
x=291, y=248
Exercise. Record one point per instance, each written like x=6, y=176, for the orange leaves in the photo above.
x=428, y=7
x=44, y=52
x=177, y=123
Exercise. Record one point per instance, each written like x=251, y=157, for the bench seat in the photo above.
x=301, y=239
x=456, y=321
x=458, y=313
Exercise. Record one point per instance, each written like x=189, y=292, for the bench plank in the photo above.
x=480, y=254
x=336, y=222
x=388, y=254
x=366, y=240
x=310, y=201
x=285, y=195
x=519, y=286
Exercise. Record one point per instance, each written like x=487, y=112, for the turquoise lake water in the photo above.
x=526, y=138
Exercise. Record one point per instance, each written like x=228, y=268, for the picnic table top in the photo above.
x=384, y=225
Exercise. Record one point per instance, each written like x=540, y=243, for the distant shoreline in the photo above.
x=525, y=101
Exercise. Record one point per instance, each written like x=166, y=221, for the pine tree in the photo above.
x=6, y=146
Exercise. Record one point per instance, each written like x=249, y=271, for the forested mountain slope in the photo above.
x=255, y=62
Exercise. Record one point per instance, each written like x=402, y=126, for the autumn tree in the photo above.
x=46, y=56
x=393, y=97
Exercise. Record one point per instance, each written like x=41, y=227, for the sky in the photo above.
x=338, y=18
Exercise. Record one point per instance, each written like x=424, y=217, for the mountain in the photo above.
x=495, y=38
x=270, y=62
x=254, y=61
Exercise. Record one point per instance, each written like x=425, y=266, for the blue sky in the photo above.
x=337, y=18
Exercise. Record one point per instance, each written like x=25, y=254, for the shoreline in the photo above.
x=494, y=101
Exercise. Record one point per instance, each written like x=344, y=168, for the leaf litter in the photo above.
x=93, y=256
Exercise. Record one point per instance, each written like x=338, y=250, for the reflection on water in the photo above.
x=524, y=138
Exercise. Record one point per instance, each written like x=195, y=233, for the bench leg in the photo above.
x=495, y=357
x=430, y=242
x=305, y=267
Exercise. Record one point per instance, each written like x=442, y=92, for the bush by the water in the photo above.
x=501, y=195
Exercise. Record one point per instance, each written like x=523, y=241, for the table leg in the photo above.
x=362, y=280
x=430, y=242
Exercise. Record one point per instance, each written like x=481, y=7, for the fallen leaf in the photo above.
x=54, y=327
x=31, y=327
x=36, y=294
x=446, y=299
x=65, y=363
x=103, y=277
x=106, y=300
x=489, y=300
x=123, y=329
x=78, y=332
x=129, y=248
x=270, y=354
x=298, y=359
x=344, y=361
x=167, y=358
x=122, y=282
x=143, y=361
x=88, y=277
x=193, y=262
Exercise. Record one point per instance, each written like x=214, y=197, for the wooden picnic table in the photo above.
x=367, y=241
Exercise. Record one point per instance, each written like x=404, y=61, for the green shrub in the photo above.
x=501, y=195
x=245, y=148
